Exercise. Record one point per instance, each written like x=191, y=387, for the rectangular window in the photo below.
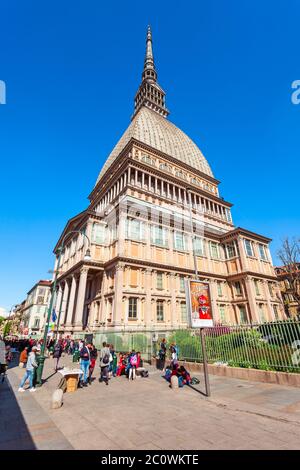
x=256, y=283
x=261, y=312
x=36, y=323
x=262, y=252
x=276, y=314
x=182, y=284
x=222, y=313
x=228, y=215
x=132, y=308
x=134, y=229
x=183, y=312
x=248, y=247
x=160, y=310
x=159, y=236
x=219, y=286
x=99, y=234
x=198, y=246
x=270, y=287
x=243, y=314
x=238, y=288
x=179, y=241
x=230, y=250
x=159, y=281
x=214, y=250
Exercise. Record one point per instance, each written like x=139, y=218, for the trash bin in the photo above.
x=76, y=356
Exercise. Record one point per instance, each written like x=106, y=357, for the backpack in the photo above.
x=105, y=359
x=133, y=360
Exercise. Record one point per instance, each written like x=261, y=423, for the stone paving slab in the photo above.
x=147, y=414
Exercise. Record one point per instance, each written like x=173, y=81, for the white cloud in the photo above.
x=4, y=312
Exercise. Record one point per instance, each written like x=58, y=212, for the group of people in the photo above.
x=111, y=364
x=180, y=372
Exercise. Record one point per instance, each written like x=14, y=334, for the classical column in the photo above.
x=129, y=175
x=173, y=287
x=155, y=186
x=148, y=306
x=71, y=301
x=58, y=299
x=214, y=296
x=63, y=314
x=143, y=180
x=251, y=299
x=268, y=297
x=136, y=178
x=81, y=296
x=117, y=307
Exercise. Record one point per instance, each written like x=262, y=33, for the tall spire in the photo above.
x=150, y=94
x=149, y=60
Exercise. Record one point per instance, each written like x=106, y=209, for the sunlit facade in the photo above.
x=142, y=240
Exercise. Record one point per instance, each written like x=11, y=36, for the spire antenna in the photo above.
x=150, y=94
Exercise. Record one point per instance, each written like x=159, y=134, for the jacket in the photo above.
x=23, y=356
x=31, y=362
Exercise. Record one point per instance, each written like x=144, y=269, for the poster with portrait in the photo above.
x=199, y=304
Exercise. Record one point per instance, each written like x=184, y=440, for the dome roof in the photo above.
x=156, y=131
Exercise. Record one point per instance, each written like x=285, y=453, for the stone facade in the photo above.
x=155, y=211
x=291, y=306
x=35, y=308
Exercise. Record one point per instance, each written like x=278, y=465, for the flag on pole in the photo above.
x=54, y=316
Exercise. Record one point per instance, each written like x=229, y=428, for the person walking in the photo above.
x=104, y=363
x=93, y=358
x=58, y=349
x=84, y=364
x=30, y=366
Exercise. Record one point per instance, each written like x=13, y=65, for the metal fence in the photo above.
x=267, y=346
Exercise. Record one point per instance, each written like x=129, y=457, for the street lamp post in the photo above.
x=204, y=354
x=41, y=359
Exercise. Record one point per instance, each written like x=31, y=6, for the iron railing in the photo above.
x=266, y=346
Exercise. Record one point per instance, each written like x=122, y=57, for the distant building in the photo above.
x=291, y=306
x=34, y=311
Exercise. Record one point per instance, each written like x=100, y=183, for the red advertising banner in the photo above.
x=199, y=302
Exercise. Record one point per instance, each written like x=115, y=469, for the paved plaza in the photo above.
x=147, y=414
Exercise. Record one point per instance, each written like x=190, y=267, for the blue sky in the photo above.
x=72, y=68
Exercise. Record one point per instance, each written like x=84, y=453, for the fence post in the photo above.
x=205, y=365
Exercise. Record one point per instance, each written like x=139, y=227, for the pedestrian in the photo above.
x=104, y=363
x=162, y=354
x=30, y=366
x=23, y=358
x=93, y=358
x=133, y=360
x=58, y=349
x=84, y=365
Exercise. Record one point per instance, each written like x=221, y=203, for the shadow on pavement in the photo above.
x=14, y=433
